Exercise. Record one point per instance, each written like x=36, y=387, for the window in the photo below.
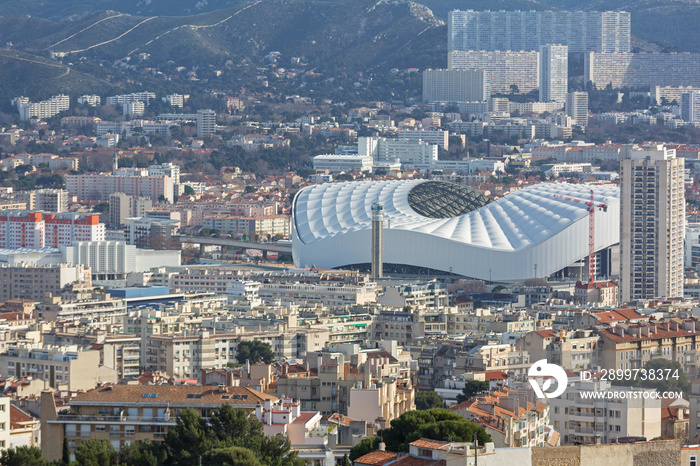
x=693, y=461
x=99, y=428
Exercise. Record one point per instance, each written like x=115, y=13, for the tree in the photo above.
x=250, y=189
x=428, y=400
x=102, y=207
x=435, y=424
x=65, y=456
x=346, y=460
x=366, y=445
x=238, y=456
x=22, y=456
x=228, y=422
x=189, y=439
x=498, y=289
x=23, y=169
x=471, y=389
x=254, y=351
x=189, y=190
x=145, y=453
x=95, y=452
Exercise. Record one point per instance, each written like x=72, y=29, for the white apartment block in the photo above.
x=176, y=100
x=505, y=68
x=670, y=93
x=456, y=85
x=577, y=107
x=342, y=163
x=690, y=106
x=166, y=169
x=92, y=100
x=133, y=109
x=53, y=161
x=22, y=229
x=51, y=200
x=554, y=73
x=405, y=151
x=432, y=136
x=652, y=231
x=587, y=420
x=140, y=230
x=118, y=100
x=206, y=122
x=624, y=69
x=100, y=186
x=337, y=295
x=582, y=31
x=43, y=109
x=127, y=127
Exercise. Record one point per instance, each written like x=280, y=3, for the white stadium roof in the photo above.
x=447, y=227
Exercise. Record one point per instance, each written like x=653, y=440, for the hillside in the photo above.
x=385, y=33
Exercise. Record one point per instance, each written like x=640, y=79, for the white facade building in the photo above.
x=44, y=109
x=554, y=73
x=582, y=31
x=343, y=163
x=456, y=85
x=690, y=106
x=505, y=68
x=577, y=107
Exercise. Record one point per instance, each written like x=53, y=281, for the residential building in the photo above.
x=67, y=367
x=99, y=187
x=554, y=73
x=123, y=206
x=652, y=207
x=133, y=109
x=581, y=31
x=24, y=229
x=430, y=136
x=176, y=100
x=122, y=414
x=513, y=418
x=505, y=68
x=91, y=100
x=690, y=106
x=577, y=107
x=141, y=230
x=456, y=85
x=573, y=350
x=44, y=109
x=342, y=163
x=24, y=282
x=409, y=152
x=259, y=228
x=127, y=98
x=599, y=293
x=81, y=307
x=54, y=162
x=166, y=169
x=587, y=420
x=51, y=200
x=206, y=122
x=641, y=70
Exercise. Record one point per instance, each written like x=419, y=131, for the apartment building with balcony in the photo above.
x=35, y=283
x=122, y=414
x=652, y=210
x=58, y=366
x=583, y=421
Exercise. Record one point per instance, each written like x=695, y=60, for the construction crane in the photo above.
x=591, y=206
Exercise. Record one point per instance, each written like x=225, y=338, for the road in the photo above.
x=85, y=29
x=234, y=243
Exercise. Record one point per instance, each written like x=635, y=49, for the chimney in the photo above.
x=247, y=368
x=222, y=388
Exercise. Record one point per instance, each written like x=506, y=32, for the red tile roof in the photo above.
x=376, y=458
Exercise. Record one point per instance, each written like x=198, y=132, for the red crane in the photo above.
x=591, y=205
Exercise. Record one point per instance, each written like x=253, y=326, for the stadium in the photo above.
x=441, y=227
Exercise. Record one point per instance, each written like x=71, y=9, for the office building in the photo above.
x=505, y=69
x=577, y=107
x=652, y=208
x=581, y=31
x=456, y=85
x=641, y=70
x=690, y=107
x=554, y=73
